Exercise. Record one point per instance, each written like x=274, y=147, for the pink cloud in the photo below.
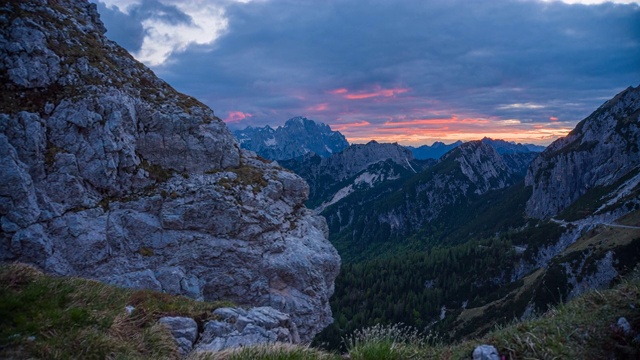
x=318, y=107
x=235, y=116
x=338, y=91
x=553, y=118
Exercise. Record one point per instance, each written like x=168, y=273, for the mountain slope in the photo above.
x=405, y=207
x=327, y=176
x=297, y=137
x=602, y=148
x=482, y=260
x=108, y=173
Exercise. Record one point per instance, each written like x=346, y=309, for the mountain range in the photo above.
x=528, y=206
x=487, y=234
x=108, y=173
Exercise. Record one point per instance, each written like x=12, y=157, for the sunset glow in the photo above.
x=412, y=71
x=426, y=131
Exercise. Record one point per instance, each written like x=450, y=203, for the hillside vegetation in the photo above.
x=47, y=317
x=67, y=318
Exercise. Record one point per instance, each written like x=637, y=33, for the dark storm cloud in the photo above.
x=503, y=59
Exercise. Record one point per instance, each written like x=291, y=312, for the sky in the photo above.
x=406, y=71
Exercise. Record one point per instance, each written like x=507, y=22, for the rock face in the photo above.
x=239, y=328
x=109, y=173
x=602, y=149
x=183, y=329
x=297, y=137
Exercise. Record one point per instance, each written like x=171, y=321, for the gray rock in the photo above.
x=184, y=330
x=239, y=327
x=485, y=352
x=107, y=172
x=602, y=149
x=143, y=279
x=624, y=325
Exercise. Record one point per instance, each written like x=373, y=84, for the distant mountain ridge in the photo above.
x=435, y=151
x=323, y=174
x=298, y=136
x=439, y=148
x=511, y=147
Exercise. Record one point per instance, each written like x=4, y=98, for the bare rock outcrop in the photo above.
x=107, y=172
x=602, y=149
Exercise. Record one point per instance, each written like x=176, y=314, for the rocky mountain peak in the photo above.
x=298, y=136
x=603, y=148
x=483, y=165
x=107, y=172
x=510, y=147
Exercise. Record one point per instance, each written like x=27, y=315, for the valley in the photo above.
x=461, y=244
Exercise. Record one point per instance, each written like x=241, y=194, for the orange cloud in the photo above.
x=436, y=121
x=553, y=118
x=449, y=129
x=347, y=126
x=235, y=116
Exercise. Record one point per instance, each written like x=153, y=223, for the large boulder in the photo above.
x=107, y=172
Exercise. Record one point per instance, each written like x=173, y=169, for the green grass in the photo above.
x=581, y=329
x=64, y=318
x=69, y=318
x=268, y=352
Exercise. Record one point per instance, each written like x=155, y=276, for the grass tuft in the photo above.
x=387, y=342
x=276, y=351
x=49, y=318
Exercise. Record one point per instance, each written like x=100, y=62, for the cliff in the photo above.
x=601, y=150
x=109, y=173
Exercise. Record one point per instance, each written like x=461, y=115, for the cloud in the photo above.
x=377, y=92
x=520, y=106
x=166, y=27
x=352, y=61
x=235, y=116
x=594, y=2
